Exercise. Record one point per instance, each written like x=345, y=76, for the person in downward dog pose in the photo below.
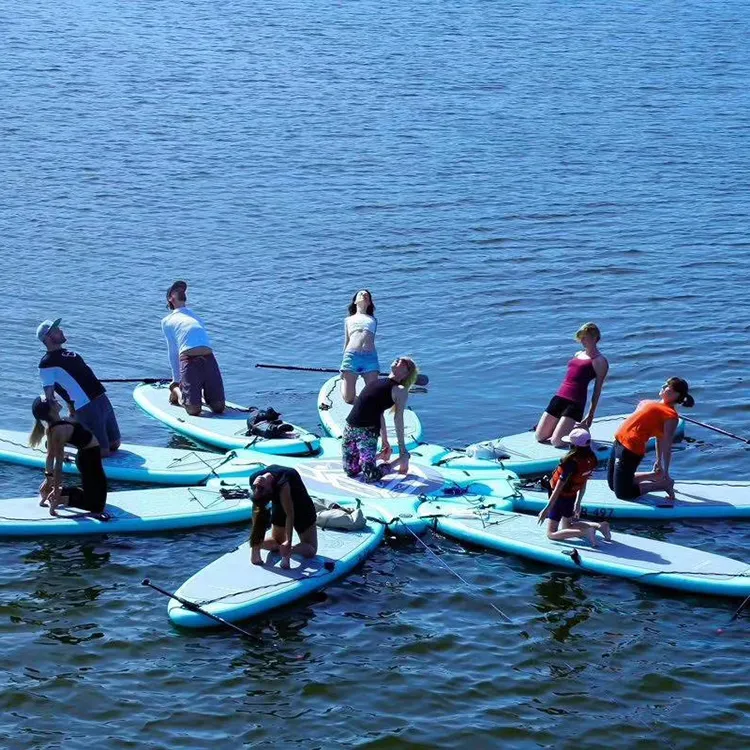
x=652, y=419
x=291, y=509
x=366, y=421
x=568, y=486
x=360, y=356
x=195, y=372
x=92, y=496
x=566, y=407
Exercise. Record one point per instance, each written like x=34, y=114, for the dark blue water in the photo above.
x=496, y=174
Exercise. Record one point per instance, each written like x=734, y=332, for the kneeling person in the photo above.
x=568, y=487
x=291, y=508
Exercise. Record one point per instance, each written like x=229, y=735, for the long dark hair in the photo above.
x=353, y=307
x=682, y=387
x=261, y=523
x=578, y=451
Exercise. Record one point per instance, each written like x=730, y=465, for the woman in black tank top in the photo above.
x=366, y=423
x=92, y=495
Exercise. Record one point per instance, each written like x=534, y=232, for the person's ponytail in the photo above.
x=37, y=434
x=688, y=401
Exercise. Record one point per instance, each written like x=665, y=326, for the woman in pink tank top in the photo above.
x=566, y=408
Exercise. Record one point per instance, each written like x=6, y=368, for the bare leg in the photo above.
x=546, y=427
x=369, y=377
x=656, y=484
x=570, y=532
x=273, y=542
x=564, y=426
x=602, y=527
x=348, y=386
x=308, y=542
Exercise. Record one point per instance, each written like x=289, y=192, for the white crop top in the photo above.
x=361, y=322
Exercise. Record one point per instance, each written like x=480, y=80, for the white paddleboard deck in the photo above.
x=132, y=463
x=694, y=499
x=235, y=589
x=639, y=559
x=136, y=511
x=524, y=455
x=396, y=496
x=227, y=430
x=333, y=411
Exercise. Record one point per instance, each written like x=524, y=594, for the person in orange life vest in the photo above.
x=652, y=419
x=566, y=408
x=568, y=487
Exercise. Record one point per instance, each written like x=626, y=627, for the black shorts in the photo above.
x=304, y=515
x=564, y=508
x=623, y=464
x=564, y=407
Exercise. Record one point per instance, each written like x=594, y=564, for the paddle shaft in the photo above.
x=421, y=378
x=715, y=429
x=148, y=381
x=193, y=607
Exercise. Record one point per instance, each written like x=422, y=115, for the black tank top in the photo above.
x=371, y=403
x=80, y=438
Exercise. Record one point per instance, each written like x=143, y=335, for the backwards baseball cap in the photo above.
x=177, y=285
x=579, y=437
x=44, y=328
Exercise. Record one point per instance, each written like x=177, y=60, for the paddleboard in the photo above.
x=134, y=511
x=132, y=463
x=333, y=411
x=524, y=455
x=694, y=499
x=396, y=496
x=233, y=588
x=227, y=430
x=626, y=556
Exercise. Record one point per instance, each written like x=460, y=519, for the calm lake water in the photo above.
x=496, y=174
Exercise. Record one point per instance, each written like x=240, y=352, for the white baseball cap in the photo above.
x=579, y=437
x=44, y=328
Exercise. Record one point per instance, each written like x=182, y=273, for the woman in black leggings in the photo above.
x=92, y=495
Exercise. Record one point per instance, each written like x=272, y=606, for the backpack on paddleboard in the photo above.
x=267, y=423
x=335, y=516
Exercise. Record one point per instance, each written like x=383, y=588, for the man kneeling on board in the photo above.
x=281, y=500
x=195, y=372
x=568, y=487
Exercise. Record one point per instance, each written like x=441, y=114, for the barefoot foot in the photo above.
x=605, y=530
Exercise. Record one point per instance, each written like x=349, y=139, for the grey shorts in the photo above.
x=98, y=416
x=200, y=378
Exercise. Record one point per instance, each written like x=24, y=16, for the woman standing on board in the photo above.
x=92, y=497
x=652, y=419
x=366, y=422
x=566, y=407
x=568, y=487
x=360, y=356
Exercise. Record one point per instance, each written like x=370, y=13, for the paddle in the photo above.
x=193, y=607
x=715, y=429
x=422, y=379
x=148, y=381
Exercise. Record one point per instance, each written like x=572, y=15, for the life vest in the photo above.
x=584, y=468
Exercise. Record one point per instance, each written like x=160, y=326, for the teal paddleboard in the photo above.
x=636, y=558
x=132, y=463
x=226, y=431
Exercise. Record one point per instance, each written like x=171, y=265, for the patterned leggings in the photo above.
x=360, y=446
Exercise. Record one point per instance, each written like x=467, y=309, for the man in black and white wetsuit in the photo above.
x=65, y=372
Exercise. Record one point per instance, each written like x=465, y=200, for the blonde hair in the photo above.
x=591, y=328
x=37, y=434
x=413, y=373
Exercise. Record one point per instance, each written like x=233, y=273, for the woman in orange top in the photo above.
x=652, y=419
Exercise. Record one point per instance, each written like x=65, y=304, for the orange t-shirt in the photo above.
x=644, y=424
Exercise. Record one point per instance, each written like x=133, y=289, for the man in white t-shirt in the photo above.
x=195, y=372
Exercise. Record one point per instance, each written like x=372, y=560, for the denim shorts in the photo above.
x=360, y=362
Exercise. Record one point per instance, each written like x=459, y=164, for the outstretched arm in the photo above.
x=601, y=368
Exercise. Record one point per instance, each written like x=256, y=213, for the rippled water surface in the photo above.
x=496, y=173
